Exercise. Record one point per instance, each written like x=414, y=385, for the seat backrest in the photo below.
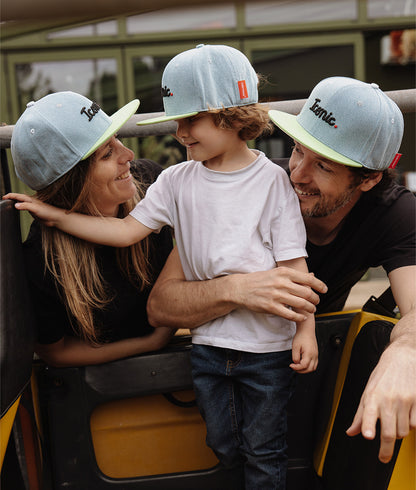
x=16, y=318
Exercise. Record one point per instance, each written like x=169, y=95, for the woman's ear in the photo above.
x=372, y=180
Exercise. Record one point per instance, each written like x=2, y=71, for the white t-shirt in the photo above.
x=225, y=223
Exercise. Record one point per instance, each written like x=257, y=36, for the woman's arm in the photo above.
x=114, y=232
x=71, y=351
x=188, y=304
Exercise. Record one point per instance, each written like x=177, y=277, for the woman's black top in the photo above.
x=125, y=316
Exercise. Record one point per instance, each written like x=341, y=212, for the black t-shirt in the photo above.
x=125, y=316
x=379, y=231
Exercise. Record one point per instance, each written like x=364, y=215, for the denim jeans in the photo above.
x=243, y=399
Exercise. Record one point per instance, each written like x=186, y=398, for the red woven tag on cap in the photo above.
x=395, y=160
x=242, y=87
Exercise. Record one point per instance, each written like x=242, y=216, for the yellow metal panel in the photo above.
x=6, y=424
x=357, y=323
x=404, y=473
x=147, y=436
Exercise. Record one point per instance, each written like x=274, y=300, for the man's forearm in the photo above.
x=188, y=304
x=282, y=291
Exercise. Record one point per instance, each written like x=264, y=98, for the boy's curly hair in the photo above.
x=251, y=120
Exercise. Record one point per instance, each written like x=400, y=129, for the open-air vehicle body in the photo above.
x=132, y=424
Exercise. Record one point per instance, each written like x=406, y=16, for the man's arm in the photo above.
x=179, y=303
x=390, y=394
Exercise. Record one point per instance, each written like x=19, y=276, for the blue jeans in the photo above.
x=243, y=399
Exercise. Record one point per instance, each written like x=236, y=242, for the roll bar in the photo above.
x=405, y=99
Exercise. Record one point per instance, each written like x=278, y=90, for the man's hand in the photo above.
x=390, y=396
x=277, y=291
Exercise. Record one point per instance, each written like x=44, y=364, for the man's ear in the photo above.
x=369, y=182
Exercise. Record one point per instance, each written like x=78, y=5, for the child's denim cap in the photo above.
x=57, y=132
x=349, y=122
x=206, y=77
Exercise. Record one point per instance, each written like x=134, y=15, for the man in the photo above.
x=345, y=139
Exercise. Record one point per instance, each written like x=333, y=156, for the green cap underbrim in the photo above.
x=289, y=125
x=117, y=120
x=162, y=119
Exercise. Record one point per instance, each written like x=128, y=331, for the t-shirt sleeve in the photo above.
x=288, y=229
x=155, y=209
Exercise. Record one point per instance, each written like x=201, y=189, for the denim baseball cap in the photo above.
x=57, y=132
x=203, y=78
x=347, y=121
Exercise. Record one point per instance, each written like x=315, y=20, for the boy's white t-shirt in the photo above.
x=226, y=223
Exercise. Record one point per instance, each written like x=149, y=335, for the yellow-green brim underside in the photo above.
x=162, y=119
x=289, y=125
x=117, y=120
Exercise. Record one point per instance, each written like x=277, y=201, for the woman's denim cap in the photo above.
x=57, y=132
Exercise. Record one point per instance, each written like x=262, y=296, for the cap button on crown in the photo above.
x=374, y=85
x=29, y=104
x=200, y=45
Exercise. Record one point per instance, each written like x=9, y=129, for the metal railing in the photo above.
x=405, y=99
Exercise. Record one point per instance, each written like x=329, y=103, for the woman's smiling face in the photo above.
x=111, y=182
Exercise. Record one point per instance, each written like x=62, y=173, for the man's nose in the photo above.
x=300, y=172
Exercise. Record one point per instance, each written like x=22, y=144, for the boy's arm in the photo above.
x=109, y=231
x=305, y=347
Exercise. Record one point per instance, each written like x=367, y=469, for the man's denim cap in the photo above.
x=57, y=132
x=206, y=77
x=349, y=122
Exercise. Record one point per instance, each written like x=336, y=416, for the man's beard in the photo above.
x=325, y=207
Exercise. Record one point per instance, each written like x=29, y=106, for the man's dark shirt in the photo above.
x=379, y=231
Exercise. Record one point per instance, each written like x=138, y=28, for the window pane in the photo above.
x=294, y=11
x=390, y=8
x=180, y=19
x=108, y=28
x=148, y=72
x=292, y=74
x=94, y=78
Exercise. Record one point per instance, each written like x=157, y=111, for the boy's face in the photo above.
x=204, y=141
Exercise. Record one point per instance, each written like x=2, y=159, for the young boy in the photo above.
x=233, y=211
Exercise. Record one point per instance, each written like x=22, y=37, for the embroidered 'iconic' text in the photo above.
x=322, y=113
x=92, y=111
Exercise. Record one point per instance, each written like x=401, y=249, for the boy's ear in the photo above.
x=372, y=180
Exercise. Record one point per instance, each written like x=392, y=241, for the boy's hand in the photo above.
x=49, y=215
x=304, y=352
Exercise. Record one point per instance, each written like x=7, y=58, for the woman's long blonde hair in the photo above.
x=72, y=261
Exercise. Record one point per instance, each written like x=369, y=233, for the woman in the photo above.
x=90, y=301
